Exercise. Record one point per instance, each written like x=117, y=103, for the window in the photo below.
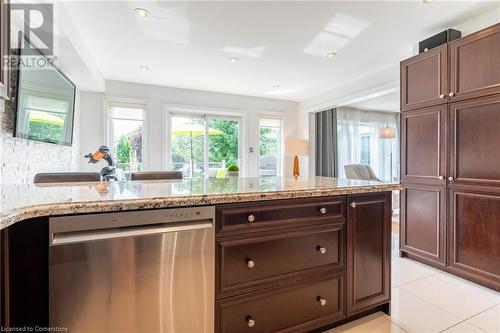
x=204, y=146
x=365, y=145
x=270, y=147
x=126, y=134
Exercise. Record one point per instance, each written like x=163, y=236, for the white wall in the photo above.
x=92, y=129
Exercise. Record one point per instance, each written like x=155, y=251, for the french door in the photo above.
x=203, y=145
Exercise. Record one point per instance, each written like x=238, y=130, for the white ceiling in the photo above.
x=187, y=44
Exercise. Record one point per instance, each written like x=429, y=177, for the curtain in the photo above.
x=326, y=143
x=359, y=142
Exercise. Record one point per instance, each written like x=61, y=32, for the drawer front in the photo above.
x=235, y=218
x=316, y=303
x=246, y=263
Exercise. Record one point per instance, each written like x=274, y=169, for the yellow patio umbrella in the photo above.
x=193, y=130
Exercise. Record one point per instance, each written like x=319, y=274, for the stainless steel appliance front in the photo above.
x=145, y=271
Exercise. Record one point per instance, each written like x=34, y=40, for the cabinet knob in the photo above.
x=321, y=300
x=250, y=263
x=451, y=94
x=442, y=96
x=251, y=218
x=441, y=178
x=353, y=204
x=250, y=321
x=322, y=210
x=451, y=179
x=322, y=249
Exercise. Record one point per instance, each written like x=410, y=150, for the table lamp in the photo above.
x=297, y=148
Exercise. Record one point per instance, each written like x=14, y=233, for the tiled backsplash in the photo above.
x=21, y=159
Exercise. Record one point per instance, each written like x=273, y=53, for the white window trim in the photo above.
x=145, y=134
x=210, y=112
x=278, y=115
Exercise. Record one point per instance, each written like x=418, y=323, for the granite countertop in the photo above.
x=21, y=202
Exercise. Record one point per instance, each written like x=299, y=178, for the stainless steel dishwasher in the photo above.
x=141, y=271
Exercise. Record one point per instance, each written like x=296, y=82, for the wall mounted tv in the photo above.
x=45, y=98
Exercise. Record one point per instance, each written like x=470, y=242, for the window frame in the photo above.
x=145, y=128
x=273, y=116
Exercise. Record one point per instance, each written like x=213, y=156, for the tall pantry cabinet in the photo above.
x=450, y=157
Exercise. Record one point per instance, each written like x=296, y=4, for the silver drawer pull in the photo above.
x=250, y=321
x=321, y=300
x=442, y=96
x=353, y=204
x=250, y=263
x=451, y=94
x=251, y=218
x=322, y=210
x=322, y=249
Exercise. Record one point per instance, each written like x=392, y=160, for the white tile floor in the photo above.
x=426, y=300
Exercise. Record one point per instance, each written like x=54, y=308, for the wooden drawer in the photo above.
x=296, y=308
x=237, y=218
x=246, y=263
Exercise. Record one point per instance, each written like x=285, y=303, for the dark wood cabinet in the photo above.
x=273, y=256
x=301, y=264
x=474, y=69
x=474, y=141
x=4, y=48
x=424, y=79
x=296, y=308
x=474, y=231
x=450, y=164
x=424, y=145
x=423, y=231
x=368, y=251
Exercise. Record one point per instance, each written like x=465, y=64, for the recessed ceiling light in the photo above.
x=331, y=55
x=144, y=68
x=276, y=86
x=234, y=59
x=141, y=12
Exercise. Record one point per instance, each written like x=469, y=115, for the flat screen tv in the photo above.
x=45, y=99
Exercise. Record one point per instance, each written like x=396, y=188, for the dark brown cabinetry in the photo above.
x=424, y=145
x=291, y=265
x=4, y=47
x=474, y=229
x=474, y=70
x=423, y=213
x=450, y=165
x=368, y=252
x=424, y=79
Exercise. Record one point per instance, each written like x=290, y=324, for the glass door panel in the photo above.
x=187, y=145
x=269, y=147
x=223, y=145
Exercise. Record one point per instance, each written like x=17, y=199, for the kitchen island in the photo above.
x=288, y=254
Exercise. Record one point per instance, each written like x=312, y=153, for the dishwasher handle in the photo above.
x=85, y=236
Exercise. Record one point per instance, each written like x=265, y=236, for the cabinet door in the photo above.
x=474, y=70
x=474, y=234
x=368, y=251
x=424, y=79
x=423, y=147
x=4, y=47
x=423, y=222
x=475, y=141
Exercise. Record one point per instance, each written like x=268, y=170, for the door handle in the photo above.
x=451, y=179
x=441, y=178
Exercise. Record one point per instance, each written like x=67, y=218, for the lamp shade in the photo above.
x=387, y=133
x=297, y=147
